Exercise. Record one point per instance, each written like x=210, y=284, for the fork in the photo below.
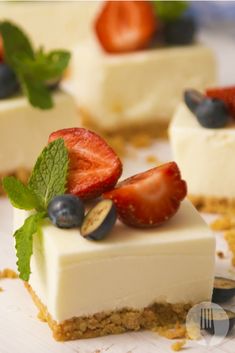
x=206, y=319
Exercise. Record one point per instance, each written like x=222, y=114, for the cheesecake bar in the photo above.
x=206, y=159
x=136, y=91
x=51, y=23
x=24, y=131
x=133, y=279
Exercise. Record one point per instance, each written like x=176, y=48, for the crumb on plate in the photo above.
x=179, y=331
x=220, y=254
x=222, y=223
x=8, y=273
x=177, y=346
x=152, y=159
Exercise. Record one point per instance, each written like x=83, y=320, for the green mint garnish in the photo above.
x=48, y=180
x=33, y=68
x=24, y=243
x=19, y=194
x=170, y=10
x=49, y=175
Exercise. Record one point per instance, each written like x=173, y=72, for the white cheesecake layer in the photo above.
x=131, y=268
x=137, y=88
x=53, y=24
x=205, y=156
x=24, y=130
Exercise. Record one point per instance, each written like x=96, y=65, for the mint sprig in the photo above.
x=24, y=243
x=33, y=68
x=49, y=175
x=19, y=194
x=48, y=180
x=170, y=10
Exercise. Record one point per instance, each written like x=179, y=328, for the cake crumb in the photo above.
x=41, y=316
x=220, y=254
x=152, y=160
x=177, y=346
x=230, y=238
x=141, y=140
x=179, y=331
x=1, y=289
x=222, y=223
x=8, y=273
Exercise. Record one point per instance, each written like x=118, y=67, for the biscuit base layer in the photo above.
x=213, y=204
x=139, y=135
x=157, y=316
x=230, y=238
x=20, y=173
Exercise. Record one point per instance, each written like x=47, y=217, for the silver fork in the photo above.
x=206, y=318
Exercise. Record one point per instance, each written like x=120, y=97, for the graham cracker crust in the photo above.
x=230, y=238
x=213, y=204
x=140, y=135
x=113, y=322
x=20, y=173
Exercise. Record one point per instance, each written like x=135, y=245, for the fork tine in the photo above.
x=206, y=320
x=201, y=319
x=212, y=319
x=209, y=318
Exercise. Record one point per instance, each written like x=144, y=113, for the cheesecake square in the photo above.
x=206, y=160
x=25, y=130
x=134, y=279
x=140, y=90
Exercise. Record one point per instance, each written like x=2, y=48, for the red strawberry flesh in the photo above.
x=150, y=198
x=93, y=166
x=124, y=26
x=226, y=94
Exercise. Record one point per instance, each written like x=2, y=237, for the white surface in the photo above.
x=21, y=331
x=105, y=273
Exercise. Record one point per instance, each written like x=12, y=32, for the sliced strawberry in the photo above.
x=124, y=26
x=149, y=199
x=226, y=94
x=94, y=167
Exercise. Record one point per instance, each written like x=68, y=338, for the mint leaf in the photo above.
x=19, y=194
x=169, y=10
x=33, y=68
x=14, y=41
x=44, y=66
x=49, y=175
x=52, y=65
x=24, y=243
x=38, y=94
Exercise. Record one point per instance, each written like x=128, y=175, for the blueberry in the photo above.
x=180, y=31
x=8, y=81
x=212, y=113
x=99, y=220
x=66, y=211
x=193, y=98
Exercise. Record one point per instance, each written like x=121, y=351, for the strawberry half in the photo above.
x=226, y=94
x=150, y=198
x=93, y=166
x=124, y=26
